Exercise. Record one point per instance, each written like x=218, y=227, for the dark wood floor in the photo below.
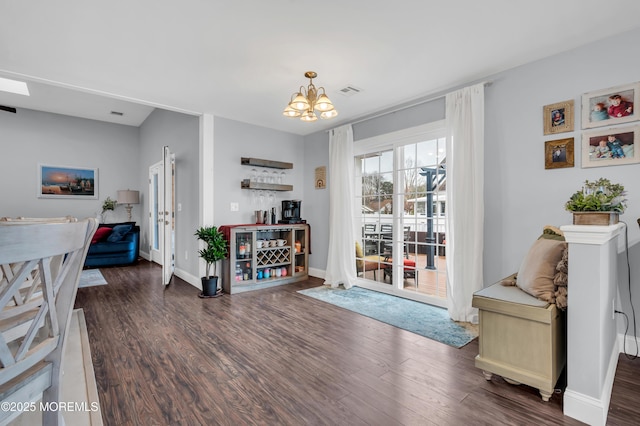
x=275, y=357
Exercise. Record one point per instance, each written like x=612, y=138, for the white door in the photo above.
x=168, y=229
x=156, y=212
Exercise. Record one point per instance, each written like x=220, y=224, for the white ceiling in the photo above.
x=243, y=59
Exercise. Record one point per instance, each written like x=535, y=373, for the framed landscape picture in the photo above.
x=67, y=182
x=558, y=118
x=610, y=106
x=558, y=154
x=610, y=147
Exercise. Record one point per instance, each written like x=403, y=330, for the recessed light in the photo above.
x=13, y=86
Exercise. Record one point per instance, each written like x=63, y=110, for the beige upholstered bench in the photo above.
x=521, y=338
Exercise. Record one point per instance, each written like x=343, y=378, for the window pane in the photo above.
x=427, y=153
x=386, y=161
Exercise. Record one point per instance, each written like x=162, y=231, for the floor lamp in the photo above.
x=128, y=197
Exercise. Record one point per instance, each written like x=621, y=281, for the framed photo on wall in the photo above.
x=610, y=106
x=611, y=146
x=67, y=182
x=558, y=153
x=558, y=118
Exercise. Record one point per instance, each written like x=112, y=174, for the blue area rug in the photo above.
x=90, y=278
x=426, y=320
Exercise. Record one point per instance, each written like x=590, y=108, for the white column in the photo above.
x=592, y=348
x=206, y=176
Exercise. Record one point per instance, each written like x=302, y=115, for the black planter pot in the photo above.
x=209, y=286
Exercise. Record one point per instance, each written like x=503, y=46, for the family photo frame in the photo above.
x=67, y=182
x=558, y=117
x=611, y=146
x=559, y=153
x=611, y=106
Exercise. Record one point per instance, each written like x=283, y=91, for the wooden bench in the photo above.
x=521, y=338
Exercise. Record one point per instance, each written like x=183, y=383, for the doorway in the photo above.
x=156, y=201
x=161, y=214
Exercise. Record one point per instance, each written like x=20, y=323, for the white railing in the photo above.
x=417, y=223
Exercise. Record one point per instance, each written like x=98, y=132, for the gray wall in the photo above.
x=180, y=132
x=521, y=196
x=233, y=140
x=316, y=201
x=29, y=138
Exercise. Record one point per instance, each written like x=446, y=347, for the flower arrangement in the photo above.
x=598, y=196
x=109, y=204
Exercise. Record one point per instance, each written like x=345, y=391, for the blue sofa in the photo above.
x=117, y=245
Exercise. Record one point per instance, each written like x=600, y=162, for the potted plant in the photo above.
x=215, y=250
x=597, y=203
x=108, y=205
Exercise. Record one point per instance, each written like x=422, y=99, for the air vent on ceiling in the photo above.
x=349, y=90
x=8, y=109
x=117, y=113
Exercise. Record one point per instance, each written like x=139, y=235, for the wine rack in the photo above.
x=273, y=256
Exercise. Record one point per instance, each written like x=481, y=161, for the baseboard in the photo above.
x=318, y=273
x=629, y=345
x=191, y=279
x=587, y=409
x=145, y=255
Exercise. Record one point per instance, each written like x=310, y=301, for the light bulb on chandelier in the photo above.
x=305, y=102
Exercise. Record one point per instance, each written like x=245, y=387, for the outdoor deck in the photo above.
x=430, y=281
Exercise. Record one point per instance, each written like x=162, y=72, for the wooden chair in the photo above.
x=40, y=267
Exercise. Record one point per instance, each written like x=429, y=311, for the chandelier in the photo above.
x=306, y=102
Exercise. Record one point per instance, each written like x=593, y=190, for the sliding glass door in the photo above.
x=400, y=204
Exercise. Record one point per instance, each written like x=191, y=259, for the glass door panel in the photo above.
x=374, y=214
x=401, y=196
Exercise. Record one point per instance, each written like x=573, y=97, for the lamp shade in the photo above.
x=324, y=103
x=299, y=103
x=290, y=112
x=329, y=114
x=127, y=196
x=309, y=116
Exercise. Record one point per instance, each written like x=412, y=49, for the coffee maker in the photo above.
x=291, y=212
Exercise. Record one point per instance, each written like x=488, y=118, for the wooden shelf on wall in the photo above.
x=247, y=161
x=247, y=184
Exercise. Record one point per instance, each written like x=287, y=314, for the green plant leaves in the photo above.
x=598, y=196
x=216, y=248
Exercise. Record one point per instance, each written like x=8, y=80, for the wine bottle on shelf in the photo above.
x=241, y=249
x=273, y=215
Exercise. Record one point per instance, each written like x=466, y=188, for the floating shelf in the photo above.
x=247, y=184
x=247, y=161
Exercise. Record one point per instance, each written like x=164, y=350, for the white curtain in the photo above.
x=341, y=261
x=465, y=199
